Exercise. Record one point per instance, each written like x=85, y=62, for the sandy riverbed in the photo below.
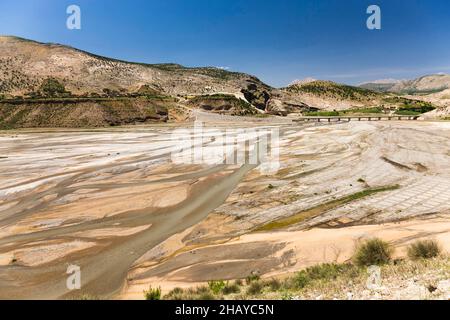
x=113, y=203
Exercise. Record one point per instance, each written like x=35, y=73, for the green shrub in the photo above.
x=231, y=288
x=254, y=288
x=423, y=249
x=254, y=276
x=300, y=280
x=322, y=114
x=175, y=294
x=373, y=252
x=273, y=284
x=206, y=296
x=325, y=271
x=51, y=87
x=152, y=294
x=286, y=296
x=216, y=286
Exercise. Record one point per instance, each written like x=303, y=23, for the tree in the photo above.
x=51, y=87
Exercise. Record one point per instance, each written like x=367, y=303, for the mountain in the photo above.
x=423, y=85
x=384, y=85
x=32, y=72
x=330, y=95
x=24, y=65
x=52, y=85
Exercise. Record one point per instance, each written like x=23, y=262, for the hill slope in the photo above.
x=329, y=95
x=25, y=64
x=423, y=85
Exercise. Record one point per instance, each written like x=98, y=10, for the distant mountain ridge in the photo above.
x=424, y=85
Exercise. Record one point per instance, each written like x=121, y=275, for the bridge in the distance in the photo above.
x=355, y=118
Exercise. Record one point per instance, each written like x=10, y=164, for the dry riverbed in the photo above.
x=112, y=202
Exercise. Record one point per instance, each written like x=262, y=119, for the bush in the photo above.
x=300, y=280
x=206, y=296
x=373, y=252
x=216, y=286
x=423, y=249
x=325, y=271
x=152, y=294
x=51, y=87
x=254, y=276
x=231, y=288
x=254, y=288
x=175, y=294
x=273, y=284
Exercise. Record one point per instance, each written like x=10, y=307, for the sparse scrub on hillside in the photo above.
x=320, y=273
x=329, y=280
x=424, y=249
x=373, y=252
x=334, y=90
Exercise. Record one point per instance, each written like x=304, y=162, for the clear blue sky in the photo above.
x=278, y=41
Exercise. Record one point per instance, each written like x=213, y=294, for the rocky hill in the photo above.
x=332, y=96
x=35, y=76
x=25, y=64
x=55, y=85
x=424, y=85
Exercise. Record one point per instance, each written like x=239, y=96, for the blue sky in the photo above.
x=278, y=41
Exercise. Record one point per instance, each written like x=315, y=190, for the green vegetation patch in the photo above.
x=348, y=112
x=153, y=294
x=315, y=211
x=322, y=114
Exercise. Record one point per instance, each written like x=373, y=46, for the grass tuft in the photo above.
x=424, y=249
x=373, y=252
x=153, y=294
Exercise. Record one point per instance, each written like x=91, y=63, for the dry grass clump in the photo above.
x=424, y=249
x=373, y=252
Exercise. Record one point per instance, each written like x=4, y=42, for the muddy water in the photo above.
x=103, y=271
x=105, y=266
